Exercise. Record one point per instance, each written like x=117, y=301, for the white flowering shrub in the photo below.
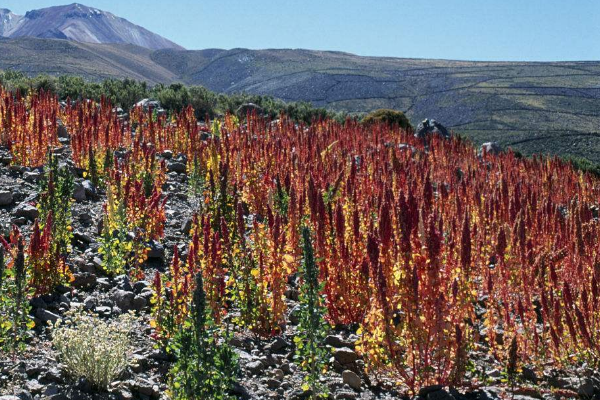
x=93, y=348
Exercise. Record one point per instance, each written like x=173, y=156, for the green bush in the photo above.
x=175, y=97
x=391, y=117
x=584, y=165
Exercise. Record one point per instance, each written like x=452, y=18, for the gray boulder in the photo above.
x=90, y=189
x=247, y=108
x=148, y=103
x=490, y=148
x=431, y=127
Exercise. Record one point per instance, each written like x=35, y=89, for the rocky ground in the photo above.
x=267, y=367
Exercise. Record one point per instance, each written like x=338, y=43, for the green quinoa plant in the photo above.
x=310, y=341
x=15, y=320
x=206, y=364
x=56, y=199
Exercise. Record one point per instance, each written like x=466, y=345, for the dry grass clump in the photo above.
x=92, y=348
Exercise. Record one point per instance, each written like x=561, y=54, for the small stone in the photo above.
x=79, y=193
x=586, y=389
x=34, y=386
x=186, y=226
x=51, y=390
x=6, y=198
x=278, y=374
x=20, y=221
x=139, y=303
x=268, y=360
x=176, y=166
x=351, y=379
x=33, y=369
x=139, y=286
x=344, y=395
x=337, y=341
x=494, y=373
x=288, y=368
x=440, y=395
x=89, y=303
x=490, y=148
x=97, y=262
x=103, y=283
x=26, y=210
x=104, y=311
x=38, y=302
x=82, y=238
x=529, y=374
x=124, y=283
x=32, y=176
x=148, y=388
x=276, y=345
x=301, y=394
x=255, y=367
x=273, y=383
x=124, y=394
x=240, y=391
x=140, y=362
x=424, y=391
x=84, y=280
x=52, y=375
x=46, y=316
x=157, y=251
x=123, y=299
x=345, y=356
x=61, y=130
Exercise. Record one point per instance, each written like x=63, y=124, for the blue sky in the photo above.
x=510, y=30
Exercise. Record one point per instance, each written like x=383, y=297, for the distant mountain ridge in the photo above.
x=80, y=23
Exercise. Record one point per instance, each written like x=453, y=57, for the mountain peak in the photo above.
x=80, y=23
x=7, y=20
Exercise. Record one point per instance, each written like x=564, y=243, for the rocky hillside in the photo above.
x=92, y=61
x=81, y=24
x=533, y=107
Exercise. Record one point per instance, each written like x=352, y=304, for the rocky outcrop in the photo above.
x=431, y=127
